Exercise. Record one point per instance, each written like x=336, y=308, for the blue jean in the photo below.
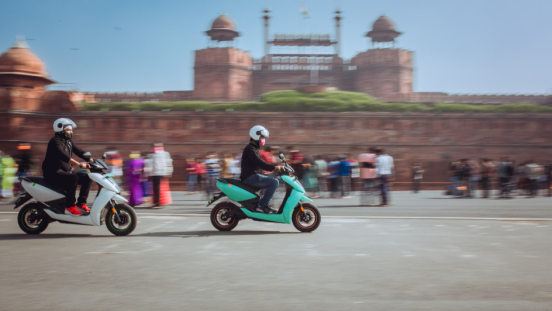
x=383, y=188
x=192, y=179
x=262, y=181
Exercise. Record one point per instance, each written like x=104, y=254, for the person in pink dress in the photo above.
x=366, y=163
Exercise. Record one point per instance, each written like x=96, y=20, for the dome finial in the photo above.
x=20, y=42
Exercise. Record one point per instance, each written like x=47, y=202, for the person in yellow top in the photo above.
x=8, y=175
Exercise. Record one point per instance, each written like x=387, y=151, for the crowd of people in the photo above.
x=527, y=178
x=318, y=174
x=145, y=175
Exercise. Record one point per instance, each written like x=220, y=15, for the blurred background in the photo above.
x=456, y=92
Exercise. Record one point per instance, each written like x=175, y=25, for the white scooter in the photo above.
x=109, y=206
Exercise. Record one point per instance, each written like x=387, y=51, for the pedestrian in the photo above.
x=504, y=173
x=161, y=169
x=367, y=175
x=321, y=168
x=8, y=175
x=134, y=176
x=487, y=174
x=310, y=182
x=236, y=166
x=385, y=170
x=547, y=170
x=355, y=172
x=417, y=174
x=344, y=176
x=475, y=176
x=24, y=165
x=454, y=176
x=191, y=170
x=228, y=163
x=296, y=161
x=333, y=175
x=147, y=186
x=465, y=177
x=212, y=163
x=533, y=171
x=114, y=163
x=201, y=175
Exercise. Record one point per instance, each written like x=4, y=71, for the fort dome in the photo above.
x=20, y=60
x=383, y=23
x=222, y=29
x=383, y=31
x=223, y=22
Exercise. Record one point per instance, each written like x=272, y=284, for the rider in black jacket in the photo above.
x=58, y=166
x=252, y=166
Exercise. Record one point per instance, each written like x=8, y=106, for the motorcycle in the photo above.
x=109, y=206
x=242, y=201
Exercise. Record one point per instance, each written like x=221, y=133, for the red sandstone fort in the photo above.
x=291, y=61
x=28, y=109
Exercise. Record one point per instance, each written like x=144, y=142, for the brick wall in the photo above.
x=432, y=139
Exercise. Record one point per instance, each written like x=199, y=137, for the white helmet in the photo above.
x=61, y=123
x=257, y=131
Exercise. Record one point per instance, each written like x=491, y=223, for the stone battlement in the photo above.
x=93, y=97
x=227, y=55
x=542, y=99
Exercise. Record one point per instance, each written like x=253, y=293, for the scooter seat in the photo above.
x=41, y=181
x=239, y=183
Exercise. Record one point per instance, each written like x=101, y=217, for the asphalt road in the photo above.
x=457, y=260
x=182, y=263
x=404, y=204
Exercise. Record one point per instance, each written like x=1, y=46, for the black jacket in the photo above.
x=58, y=154
x=252, y=163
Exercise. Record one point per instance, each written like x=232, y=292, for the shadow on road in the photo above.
x=205, y=233
x=176, y=234
x=23, y=236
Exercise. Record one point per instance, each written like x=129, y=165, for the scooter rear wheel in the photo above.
x=31, y=219
x=219, y=217
x=307, y=220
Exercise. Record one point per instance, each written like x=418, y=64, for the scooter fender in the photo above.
x=101, y=201
x=304, y=198
x=291, y=203
x=119, y=198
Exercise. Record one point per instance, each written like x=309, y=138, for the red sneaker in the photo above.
x=84, y=207
x=73, y=211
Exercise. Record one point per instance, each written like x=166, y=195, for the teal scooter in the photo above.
x=242, y=201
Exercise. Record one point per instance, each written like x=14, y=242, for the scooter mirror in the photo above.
x=282, y=157
x=104, y=156
x=87, y=154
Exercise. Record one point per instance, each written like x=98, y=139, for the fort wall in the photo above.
x=431, y=139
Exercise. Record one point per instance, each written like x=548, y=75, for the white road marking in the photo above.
x=345, y=220
x=163, y=217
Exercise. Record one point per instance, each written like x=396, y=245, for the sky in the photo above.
x=459, y=46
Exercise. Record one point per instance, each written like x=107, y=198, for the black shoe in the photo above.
x=265, y=209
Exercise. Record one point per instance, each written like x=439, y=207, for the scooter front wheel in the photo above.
x=31, y=219
x=125, y=223
x=220, y=217
x=306, y=220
